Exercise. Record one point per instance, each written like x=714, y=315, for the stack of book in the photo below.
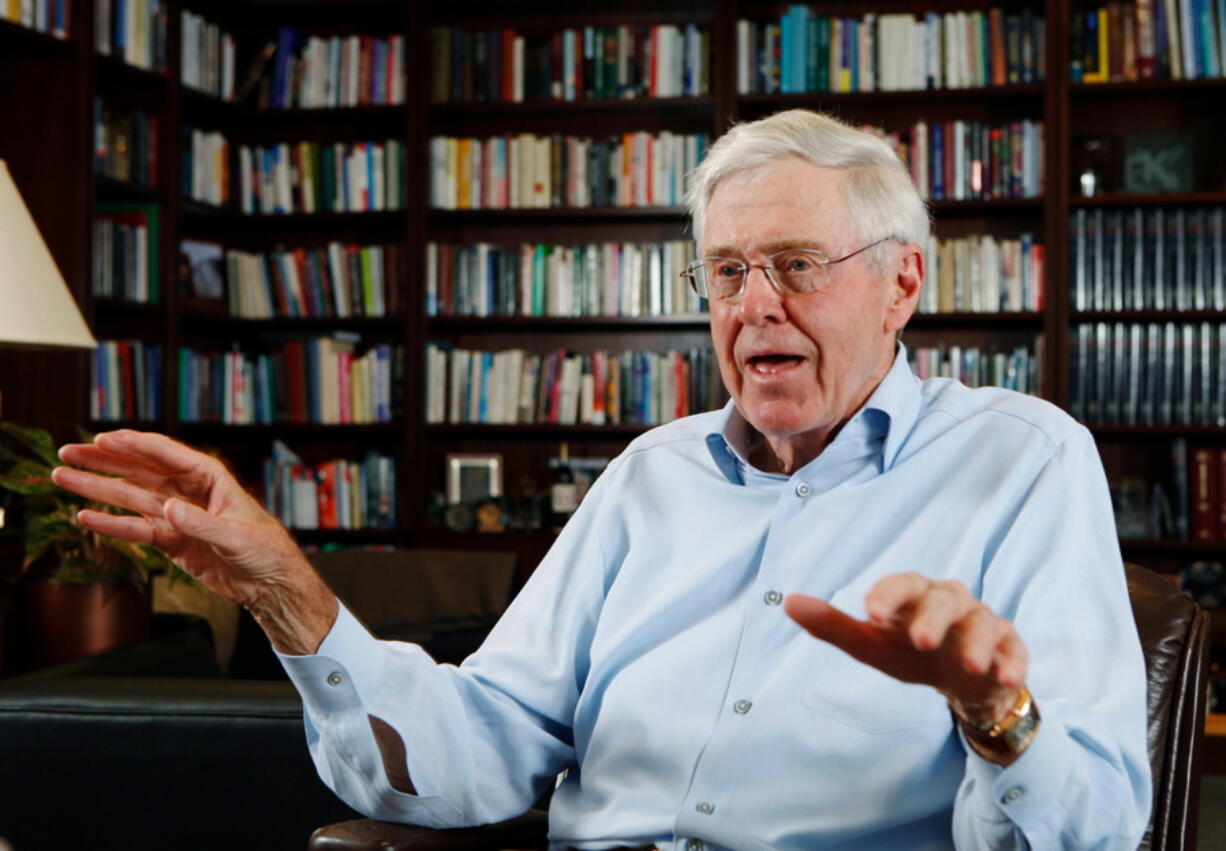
x=46, y=16
x=983, y=274
x=1152, y=373
x=126, y=250
x=125, y=381
x=527, y=171
x=336, y=494
x=206, y=166
x=1148, y=259
x=133, y=30
x=609, y=279
x=806, y=52
x=572, y=64
x=339, y=71
x=339, y=280
x=1018, y=369
x=125, y=144
x=322, y=178
x=206, y=57
x=969, y=160
x=1148, y=39
x=568, y=388
x=324, y=380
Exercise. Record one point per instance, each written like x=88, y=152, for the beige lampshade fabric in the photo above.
x=36, y=308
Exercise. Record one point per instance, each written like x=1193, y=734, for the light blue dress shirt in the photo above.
x=650, y=659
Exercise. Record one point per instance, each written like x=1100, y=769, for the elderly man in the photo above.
x=976, y=679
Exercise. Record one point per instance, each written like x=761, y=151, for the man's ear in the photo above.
x=907, y=277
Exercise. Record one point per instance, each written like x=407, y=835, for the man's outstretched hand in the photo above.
x=935, y=633
x=191, y=508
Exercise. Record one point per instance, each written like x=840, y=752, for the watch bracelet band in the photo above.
x=1011, y=735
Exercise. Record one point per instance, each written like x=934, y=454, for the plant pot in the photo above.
x=66, y=621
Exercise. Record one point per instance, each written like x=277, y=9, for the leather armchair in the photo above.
x=1174, y=635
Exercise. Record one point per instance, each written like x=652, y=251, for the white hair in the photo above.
x=880, y=196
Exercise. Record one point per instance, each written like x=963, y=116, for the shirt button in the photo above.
x=773, y=598
x=741, y=707
x=1011, y=795
x=335, y=678
x=694, y=845
x=803, y=490
x=705, y=807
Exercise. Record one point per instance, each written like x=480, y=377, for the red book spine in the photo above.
x=326, y=490
x=1221, y=494
x=1205, y=503
x=508, y=65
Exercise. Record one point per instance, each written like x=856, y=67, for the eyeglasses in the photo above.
x=794, y=270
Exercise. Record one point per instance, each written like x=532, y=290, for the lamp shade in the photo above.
x=36, y=308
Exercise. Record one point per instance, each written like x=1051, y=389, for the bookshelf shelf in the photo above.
x=205, y=216
x=676, y=107
x=347, y=536
x=110, y=189
x=17, y=37
x=537, y=431
x=1148, y=315
x=230, y=324
x=113, y=70
x=974, y=320
x=115, y=308
x=987, y=206
x=1148, y=200
x=98, y=426
x=1157, y=431
x=555, y=323
x=1215, y=85
x=363, y=115
x=995, y=94
x=1132, y=545
x=630, y=14
x=555, y=214
x=220, y=431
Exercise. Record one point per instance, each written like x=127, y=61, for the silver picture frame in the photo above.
x=473, y=476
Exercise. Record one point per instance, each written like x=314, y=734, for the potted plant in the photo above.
x=85, y=592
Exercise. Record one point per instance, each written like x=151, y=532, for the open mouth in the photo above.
x=772, y=364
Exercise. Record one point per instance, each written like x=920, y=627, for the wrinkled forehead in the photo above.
x=778, y=205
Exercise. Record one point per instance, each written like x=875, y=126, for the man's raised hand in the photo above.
x=191, y=507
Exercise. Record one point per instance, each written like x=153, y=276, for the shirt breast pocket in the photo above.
x=852, y=693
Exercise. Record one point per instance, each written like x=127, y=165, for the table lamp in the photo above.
x=36, y=309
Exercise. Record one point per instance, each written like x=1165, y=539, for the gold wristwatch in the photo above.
x=1009, y=736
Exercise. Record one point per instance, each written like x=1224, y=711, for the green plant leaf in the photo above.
x=28, y=477
x=37, y=440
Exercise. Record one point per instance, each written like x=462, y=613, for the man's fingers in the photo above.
x=1012, y=659
x=194, y=522
x=156, y=449
x=91, y=457
x=138, y=530
x=890, y=597
x=111, y=491
x=860, y=640
x=978, y=636
x=941, y=606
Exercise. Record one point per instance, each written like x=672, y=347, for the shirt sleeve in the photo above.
x=483, y=740
x=1056, y=572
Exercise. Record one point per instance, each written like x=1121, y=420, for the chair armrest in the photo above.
x=527, y=831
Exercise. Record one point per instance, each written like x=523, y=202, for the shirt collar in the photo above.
x=892, y=408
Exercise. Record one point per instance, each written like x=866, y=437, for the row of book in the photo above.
x=132, y=30
x=1206, y=498
x=1148, y=259
x=1153, y=502
x=206, y=58
x=1148, y=39
x=983, y=274
x=125, y=144
x=1170, y=373
x=528, y=171
x=338, y=71
x=968, y=160
x=322, y=178
x=1017, y=369
x=45, y=16
x=206, y=166
x=125, y=380
x=568, y=388
x=338, y=494
x=126, y=251
x=324, y=380
x=806, y=52
x=336, y=280
x=474, y=66
x=609, y=279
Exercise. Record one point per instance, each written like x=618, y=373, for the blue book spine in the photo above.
x=371, y=178
x=785, y=53
x=937, y=170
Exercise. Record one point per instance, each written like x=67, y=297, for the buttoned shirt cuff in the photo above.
x=1028, y=792
x=326, y=683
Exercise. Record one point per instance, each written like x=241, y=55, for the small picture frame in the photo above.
x=473, y=477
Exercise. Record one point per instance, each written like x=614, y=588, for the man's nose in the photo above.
x=760, y=301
